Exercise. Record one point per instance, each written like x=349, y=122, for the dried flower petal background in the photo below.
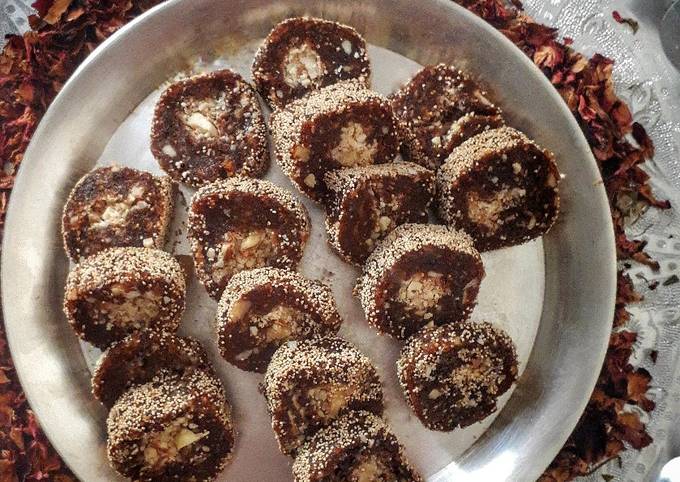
x=627, y=405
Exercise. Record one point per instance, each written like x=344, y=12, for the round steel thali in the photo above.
x=577, y=258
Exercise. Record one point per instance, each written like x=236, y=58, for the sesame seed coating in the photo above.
x=140, y=425
x=494, y=142
x=432, y=107
x=115, y=207
x=139, y=358
x=263, y=308
x=301, y=54
x=500, y=187
x=342, y=125
x=420, y=275
x=367, y=203
x=208, y=127
x=356, y=446
x=452, y=375
x=244, y=223
x=309, y=383
x=123, y=290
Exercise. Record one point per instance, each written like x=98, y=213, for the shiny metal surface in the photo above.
x=670, y=33
x=580, y=257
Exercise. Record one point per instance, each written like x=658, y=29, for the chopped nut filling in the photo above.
x=240, y=309
x=161, y=448
x=331, y=398
x=241, y=250
x=201, y=116
x=467, y=376
x=383, y=224
x=281, y=322
x=488, y=212
x=302, y=66
x=137, y=309
x=352, y=150
x=371, y=469
x=421, y=293
x=114, y=210
x=276, y=326
x=325, y=401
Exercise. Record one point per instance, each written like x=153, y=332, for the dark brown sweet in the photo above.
x=244, y=223
x=172, y=428
x=114, y=207
x=139, y=358
x=309, y=383
x=122, y=291
x=357, y=447
x=263, y=308
x=420, y=275
x=210, y=127
x=441, y=107
x=367, y=203
x=302, y=54
x=453, y=375
x=467, y=127
x=343, y=125
x=500, y=188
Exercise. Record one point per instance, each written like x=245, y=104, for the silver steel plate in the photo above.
x=578, y=261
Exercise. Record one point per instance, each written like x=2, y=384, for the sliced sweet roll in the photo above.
x=420, y=275
x=367, y=203
x=343, y=125
x=499, y=187
x=357, y=447
x=263, y=308
x=209, y=127
x=122, y=291
x=309, y=383
x=303, y=54
x=116, y=206
x=172, y=428
x=139, y=358
x=244, y=223
x=453, y=375
x=441, y=107
x=467, y=127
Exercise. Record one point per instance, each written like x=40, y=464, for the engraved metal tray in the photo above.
x=559, y=290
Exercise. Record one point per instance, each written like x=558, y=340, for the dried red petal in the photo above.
x=56, y=11
x=42, y=6
x=629, y=21
x=549, y=55
x=638, y=385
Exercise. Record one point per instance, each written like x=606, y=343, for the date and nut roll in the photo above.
x=210, y=127
x=442, y=107
x=343, y=125
x=171, y=428
x=302, y=54
x=122, y=291
x=244, y=223
x=499, y=187
x=357, y=447
x=263, y=308
x=420, y=275
x=141, y=357
x=310, y=383
x=453, y=375
x=367, y=203
x=116, y=207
